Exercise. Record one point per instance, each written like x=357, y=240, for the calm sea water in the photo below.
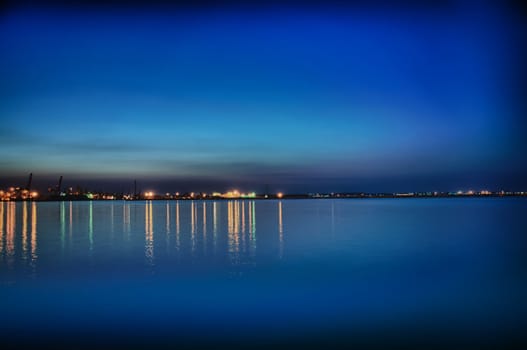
x=292, y=272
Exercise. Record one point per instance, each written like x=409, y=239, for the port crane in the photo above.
x=28, y=186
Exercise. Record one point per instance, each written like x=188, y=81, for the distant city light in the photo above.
x=235, y=194
x=24, y=193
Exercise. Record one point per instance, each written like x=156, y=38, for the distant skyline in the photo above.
x=297, y=98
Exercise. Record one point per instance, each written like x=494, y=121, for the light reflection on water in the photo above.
x=280, y=229
x=149, y=233
x=90, y=225
x=26, y=239
x=191, y=230
x=24, y=230
x=210, y=223
x=62, y=223
x=178, y=243
x=285, y=263
x=10, y=241
x=33, y=234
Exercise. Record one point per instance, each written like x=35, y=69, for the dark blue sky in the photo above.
x=302, y=98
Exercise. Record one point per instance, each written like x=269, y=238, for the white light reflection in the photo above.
x=193, y=219
x=34, y=231
x=243, y=219
x=177, y=226
x=204, y=217
x=232, y=229
x=215, y=223
x=10, y=223
x=149, y=233
x=253, y=219
x=204, y=227
x=62, y=224
x=126, y=219
x=280, y=230
x=71, y=220
x=24, y=229
x=90, y=225
x=237, y=218
x=167, y=227
x=252, y=235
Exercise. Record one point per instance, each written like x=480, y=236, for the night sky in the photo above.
x=295, y=97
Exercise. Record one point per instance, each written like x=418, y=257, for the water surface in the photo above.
x=268, y=272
